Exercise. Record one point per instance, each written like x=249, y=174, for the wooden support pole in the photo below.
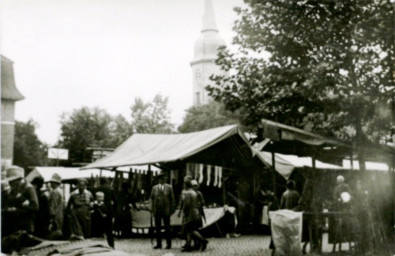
x=274, y=183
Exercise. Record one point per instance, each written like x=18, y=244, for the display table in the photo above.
x=141, y=219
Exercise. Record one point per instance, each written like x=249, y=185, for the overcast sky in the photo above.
x=72, y=53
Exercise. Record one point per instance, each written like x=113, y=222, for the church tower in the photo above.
x=206, y=49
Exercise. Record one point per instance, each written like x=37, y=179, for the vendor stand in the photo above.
x=279, y=138
x=220, y=159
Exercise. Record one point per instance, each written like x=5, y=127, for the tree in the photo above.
x=151, y=117
x=330, y=67
x=207, y=116
x=29, y=151
x=86, y=127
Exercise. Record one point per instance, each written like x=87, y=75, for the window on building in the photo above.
x=198, y=102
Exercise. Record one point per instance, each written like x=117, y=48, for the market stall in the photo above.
x=220, y=159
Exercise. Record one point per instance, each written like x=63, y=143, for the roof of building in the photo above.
x=8, y=87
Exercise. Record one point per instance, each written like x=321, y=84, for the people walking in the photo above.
x=192, y=219
x=162, y=205
x=78, y=209
x=56, y=208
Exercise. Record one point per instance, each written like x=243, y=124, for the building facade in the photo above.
x=9, y=95
x=205, y=52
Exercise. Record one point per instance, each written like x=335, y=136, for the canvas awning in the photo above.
x=285, y=164
x=72, y=173
x=225, y=143
x=289, y=140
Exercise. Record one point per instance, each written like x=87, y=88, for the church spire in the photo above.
x=209, y=23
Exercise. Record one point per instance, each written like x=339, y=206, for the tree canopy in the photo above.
x=29, y=151
x=91, y=127
x=207, y=116
x=330, y=66
x=151, y=117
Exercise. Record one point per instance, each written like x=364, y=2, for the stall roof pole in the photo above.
x=274, y=183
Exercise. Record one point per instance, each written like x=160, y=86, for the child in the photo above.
x=101, y=219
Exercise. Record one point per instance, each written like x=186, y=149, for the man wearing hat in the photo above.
x=162, y=205
x=22, y=202
x=79, y=207
x=56, y=207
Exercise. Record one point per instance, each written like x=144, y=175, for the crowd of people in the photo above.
x=40, y=209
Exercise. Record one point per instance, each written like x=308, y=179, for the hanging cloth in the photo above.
x=196, y=172
x=208, y=174
x=189, y=169
x=219, y=176
x=201, y=166
x=215, y=176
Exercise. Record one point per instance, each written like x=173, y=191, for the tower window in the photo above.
x=198, y=98
x=198, y=73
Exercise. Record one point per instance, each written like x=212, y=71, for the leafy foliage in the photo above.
x=206, y=116
x=86, y=127
x=151, y=117
x=29, y=151
x=330, y=67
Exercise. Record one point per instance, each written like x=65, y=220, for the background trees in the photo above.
x=330, y=67
x=207, y=116
x=28, y=149
x=91, y=127
x=87, y=128
x=151, y=117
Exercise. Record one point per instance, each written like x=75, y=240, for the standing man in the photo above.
x=41, y=222
x=22, y=204
x=78, y=208
x=56, y=207
x=290, y=198
x=162, y=205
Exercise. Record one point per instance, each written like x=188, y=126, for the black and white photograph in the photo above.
x=197, y=127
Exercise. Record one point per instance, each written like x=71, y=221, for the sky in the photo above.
x=103, y=53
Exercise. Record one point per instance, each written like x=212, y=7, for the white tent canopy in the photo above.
x=285, y=164
x=161, y=148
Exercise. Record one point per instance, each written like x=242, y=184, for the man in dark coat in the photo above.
x=22, y=204
x=162, y=205
x=41, y=222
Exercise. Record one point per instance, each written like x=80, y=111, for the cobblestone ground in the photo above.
x=240, y=246
x=245, y=245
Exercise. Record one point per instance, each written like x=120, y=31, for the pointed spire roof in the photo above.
x=209, y=23
x=206, y=46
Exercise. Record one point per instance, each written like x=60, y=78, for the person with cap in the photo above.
x=162, y=205
x=5, y=193
x=197, y=237
x=79, y=211
x=56, y=207
x=22, y=204
x=41, y=222
x=192, y=219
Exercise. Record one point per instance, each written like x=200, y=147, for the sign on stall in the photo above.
x=58, y=153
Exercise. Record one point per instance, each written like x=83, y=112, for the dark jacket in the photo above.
x=162, y=202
